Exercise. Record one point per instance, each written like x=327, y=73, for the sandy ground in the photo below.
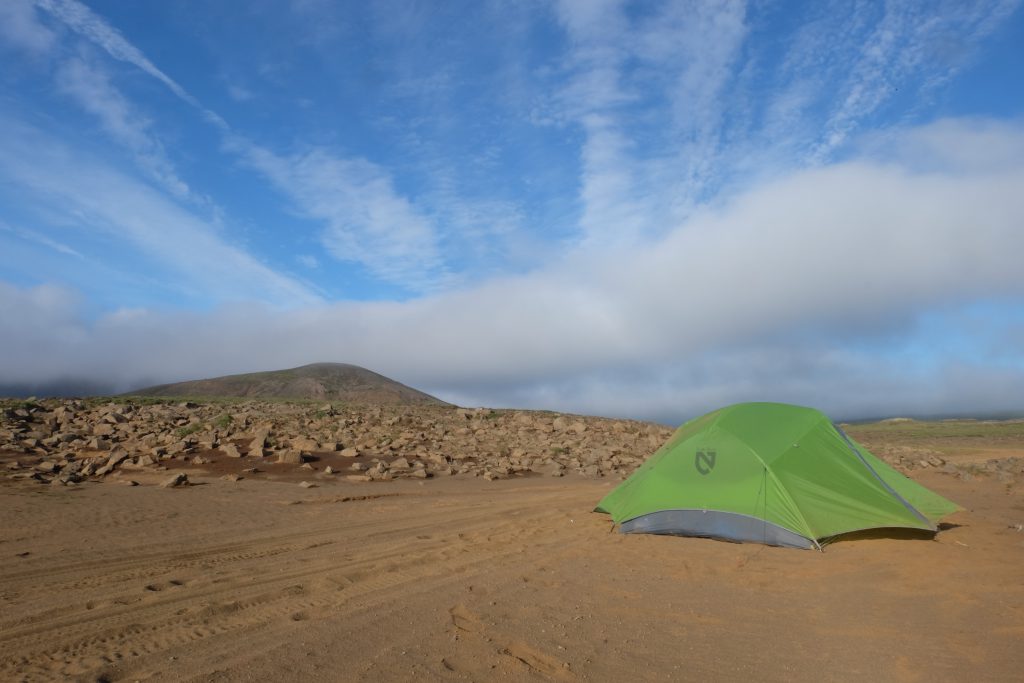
x=464, y=579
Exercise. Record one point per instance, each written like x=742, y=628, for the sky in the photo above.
x=632, y=209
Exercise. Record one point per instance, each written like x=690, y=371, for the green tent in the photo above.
x=768, y=473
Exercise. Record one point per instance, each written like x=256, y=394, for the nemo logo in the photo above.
x=704, y=461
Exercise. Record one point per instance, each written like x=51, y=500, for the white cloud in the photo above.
x=910, y=40
x=82, y=20
x=20, y=27
x=308, y=261
x=366, y=220
x=676, y=62
x=102, y=201
x=782, y=293
x=39, y=238
x=90, y=86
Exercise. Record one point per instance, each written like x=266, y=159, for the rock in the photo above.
x=307, y=484
x=307, y=466
x=231, y=477
x=399, y=464
x=116, y=456
x=349, y=453
x=357, y=477
x=258, y=443
x=130, y=482
x=229, y=449
x=199, y=460
x=305, y=444
x=47, y=466
x=290, y=457
x=357, y=466
x=179, y=479
x=145, y=461
x=418, y=474
x=328, y=470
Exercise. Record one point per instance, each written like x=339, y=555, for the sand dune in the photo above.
x=465, y=579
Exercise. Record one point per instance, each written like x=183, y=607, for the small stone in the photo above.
x=307, y=484
x=349, y=453
x=328, y=470
x=179, y=479
x=358, y=477
x=307, y=466
x=231, y=477
x=230, y=450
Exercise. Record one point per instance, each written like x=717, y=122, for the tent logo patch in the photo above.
x=704, y=461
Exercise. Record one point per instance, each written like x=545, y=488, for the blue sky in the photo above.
x=639, y=209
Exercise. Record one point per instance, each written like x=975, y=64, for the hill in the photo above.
x=319, y=381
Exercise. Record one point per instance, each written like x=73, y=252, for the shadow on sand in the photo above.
x=893, y=533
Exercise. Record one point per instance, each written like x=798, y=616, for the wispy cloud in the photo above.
x=664, y=70
x=19, y=27
x=89, y=85
x=79, y=18
x=102, y=201
x=366, y=220
x=910, y=45
x=39, y=238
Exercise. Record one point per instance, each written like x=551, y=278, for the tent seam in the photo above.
x=917, y=513
x=785, y=492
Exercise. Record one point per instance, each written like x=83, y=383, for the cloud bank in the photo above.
x=786, y=292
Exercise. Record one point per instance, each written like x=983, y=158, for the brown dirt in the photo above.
x=464, y=579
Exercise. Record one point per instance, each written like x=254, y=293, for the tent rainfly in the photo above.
x=768, y=473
